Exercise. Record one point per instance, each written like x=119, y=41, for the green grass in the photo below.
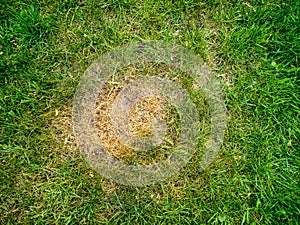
x=254, y=47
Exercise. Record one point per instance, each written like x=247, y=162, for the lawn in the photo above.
x=253, y=47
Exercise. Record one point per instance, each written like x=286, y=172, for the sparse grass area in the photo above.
x=254, y=48
x=142, y=113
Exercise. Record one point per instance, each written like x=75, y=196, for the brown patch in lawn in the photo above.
x=140, y=118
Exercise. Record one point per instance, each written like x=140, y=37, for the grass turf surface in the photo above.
x=45, y=46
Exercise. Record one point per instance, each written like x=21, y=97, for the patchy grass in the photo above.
x=142, y=113
x=253, y=46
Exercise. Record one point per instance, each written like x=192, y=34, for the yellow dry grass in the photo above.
x=140, y=117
